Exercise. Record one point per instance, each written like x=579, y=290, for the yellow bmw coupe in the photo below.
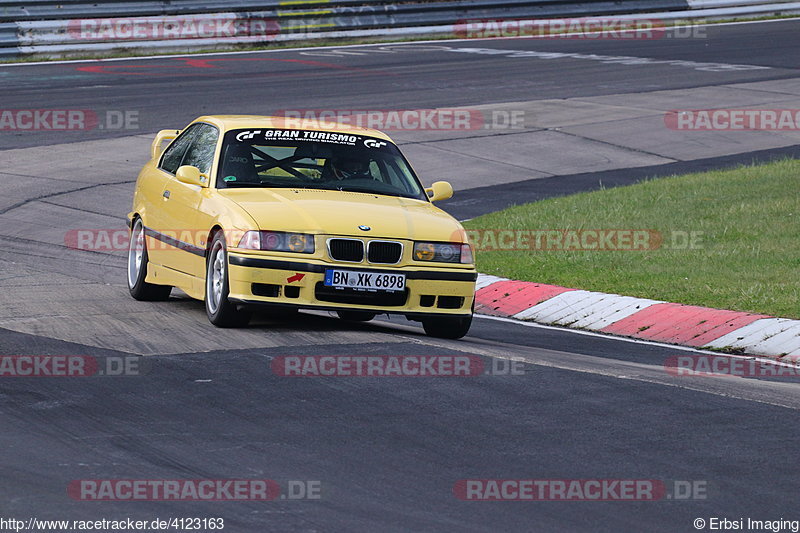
x=248, y=211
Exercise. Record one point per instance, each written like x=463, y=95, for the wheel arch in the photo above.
x=216, y=228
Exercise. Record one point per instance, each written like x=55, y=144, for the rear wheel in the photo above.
x=137, y=268
x=447, y=327
x=356, y=316
x=221, y=312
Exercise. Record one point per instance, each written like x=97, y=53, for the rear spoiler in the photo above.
x=164, y=135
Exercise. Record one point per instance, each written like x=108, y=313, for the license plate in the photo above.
x=367, y=281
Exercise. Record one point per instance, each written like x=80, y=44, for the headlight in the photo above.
x=278, y=241
x=443, y=252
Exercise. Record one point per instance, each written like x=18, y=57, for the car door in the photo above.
x=181, y=218
x=156, y=219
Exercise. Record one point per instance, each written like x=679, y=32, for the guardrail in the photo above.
x=59, y=28
x=67, y=9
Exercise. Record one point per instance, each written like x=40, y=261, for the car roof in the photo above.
x=236, y=122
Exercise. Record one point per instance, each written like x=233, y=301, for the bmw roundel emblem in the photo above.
x=362, y=227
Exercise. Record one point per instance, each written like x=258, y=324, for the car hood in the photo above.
x=341, y=213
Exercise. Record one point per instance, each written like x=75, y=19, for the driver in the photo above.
x=346, y=168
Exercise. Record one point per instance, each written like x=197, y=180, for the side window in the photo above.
x=394, y=177
x=201, y=151
x=375, y=171
x=173, y=155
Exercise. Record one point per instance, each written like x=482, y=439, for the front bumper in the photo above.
x=261, y=280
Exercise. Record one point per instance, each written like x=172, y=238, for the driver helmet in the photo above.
x=348, y=168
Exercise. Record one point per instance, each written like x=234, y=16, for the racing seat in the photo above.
x=238, y=162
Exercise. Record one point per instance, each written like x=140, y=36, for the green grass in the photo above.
x=748, y=258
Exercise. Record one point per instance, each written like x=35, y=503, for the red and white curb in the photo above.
x=652, y=320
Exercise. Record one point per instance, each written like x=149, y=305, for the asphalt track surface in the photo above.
x=176, y=90
x=387, y=452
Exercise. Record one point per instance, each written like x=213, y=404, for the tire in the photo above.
x=447, y=327
x=137, y=268
x=221, y=312
x=356, y=316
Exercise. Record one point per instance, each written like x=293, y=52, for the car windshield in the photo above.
x=315, y=160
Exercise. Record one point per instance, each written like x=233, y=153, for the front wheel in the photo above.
x=137, y=268
x=447, y=327
x=221, y=312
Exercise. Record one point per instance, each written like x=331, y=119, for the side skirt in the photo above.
x=161, y=275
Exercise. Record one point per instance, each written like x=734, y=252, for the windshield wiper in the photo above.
x=366, y=191
x=343, y=188
x=244, y=184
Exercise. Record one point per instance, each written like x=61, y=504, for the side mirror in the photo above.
x=192, y=176
x=440, y=190
x=158, y=143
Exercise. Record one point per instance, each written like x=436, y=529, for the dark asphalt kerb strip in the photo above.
x=471, y=203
